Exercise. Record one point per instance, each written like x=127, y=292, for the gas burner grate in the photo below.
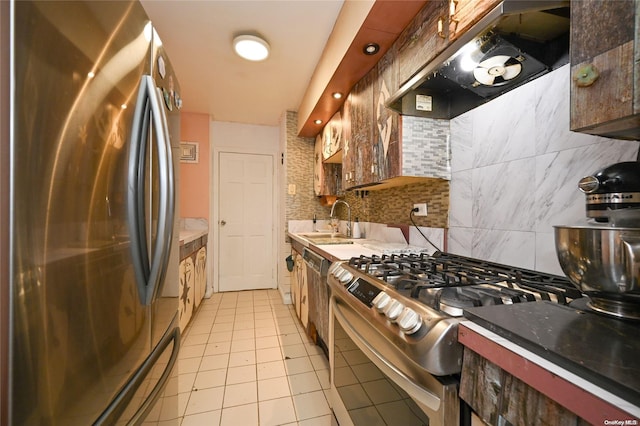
x=449, y=282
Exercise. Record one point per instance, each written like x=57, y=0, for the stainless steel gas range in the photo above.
x=394, y=352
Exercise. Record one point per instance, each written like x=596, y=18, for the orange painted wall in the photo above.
x=194, y=177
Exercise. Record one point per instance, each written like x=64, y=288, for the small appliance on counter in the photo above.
x=611, y=189
x=601, y=257
x=603, y=262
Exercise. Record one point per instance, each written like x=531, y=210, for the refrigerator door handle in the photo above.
x=149, y=271
x=136, y=189
x=121, y=401
x=166, y=201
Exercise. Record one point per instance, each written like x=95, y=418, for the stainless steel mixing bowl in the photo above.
x=603, y=262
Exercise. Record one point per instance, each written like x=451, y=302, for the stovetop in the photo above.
x=450, y=283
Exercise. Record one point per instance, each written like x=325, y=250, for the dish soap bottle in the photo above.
x=356, y=229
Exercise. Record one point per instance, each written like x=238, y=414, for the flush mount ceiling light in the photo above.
x=318, y=121
x=336, y=95
x=371, y=48
x=251, y=47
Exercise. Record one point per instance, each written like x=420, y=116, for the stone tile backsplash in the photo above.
x=515, y=169
x=303, y=204
x=425, y=147
x=393, y=205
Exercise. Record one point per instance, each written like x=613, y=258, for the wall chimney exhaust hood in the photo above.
x=513, y=44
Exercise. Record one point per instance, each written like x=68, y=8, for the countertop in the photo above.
x=188, y=235
x=357, y=247
x=334, y=252
x=604, y=351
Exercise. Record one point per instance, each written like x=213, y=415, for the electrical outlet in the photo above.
x=422, y=209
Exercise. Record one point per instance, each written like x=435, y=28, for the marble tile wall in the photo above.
x=515, y=169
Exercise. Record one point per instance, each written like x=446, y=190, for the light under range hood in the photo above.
x=513, y=44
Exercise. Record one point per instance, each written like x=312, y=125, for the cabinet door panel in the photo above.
x=362, y=130
x=611, y=96
x=385, y=130
x=420, y=42
x=467, y=13
x=522, y=405
x=481, y=385
x=605, y=34
x=598, y=26
x=348, y=163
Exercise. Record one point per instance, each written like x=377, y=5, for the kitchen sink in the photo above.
x=320, y=238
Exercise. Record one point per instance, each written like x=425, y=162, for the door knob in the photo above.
x=223, y=223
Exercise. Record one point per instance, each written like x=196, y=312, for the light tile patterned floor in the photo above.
x=245, y=360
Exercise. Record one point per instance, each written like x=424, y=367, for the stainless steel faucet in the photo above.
x=348, y=214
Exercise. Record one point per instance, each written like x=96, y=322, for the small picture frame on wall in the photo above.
x=189, y=152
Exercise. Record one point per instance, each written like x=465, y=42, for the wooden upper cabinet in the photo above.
x=605, y=43
x=332, y=137
x=386, y=136
x=420, y=41
x=318, y=170
x=357, y=169
x=326, y=176
x=467, y=13
x=348, y=161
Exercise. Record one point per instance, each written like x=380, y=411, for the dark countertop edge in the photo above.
x=568, y=389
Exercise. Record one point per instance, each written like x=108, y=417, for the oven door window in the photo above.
x=366, y=395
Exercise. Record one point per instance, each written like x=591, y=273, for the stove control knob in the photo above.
x=409, y=321
x=345, y=276
x=334, y=268
x=393, y=310
x=381, y=301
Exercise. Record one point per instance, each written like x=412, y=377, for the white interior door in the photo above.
x=245, y=222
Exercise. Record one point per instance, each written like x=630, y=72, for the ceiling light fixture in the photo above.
x=336, y=95
x=318, y=121
x=251, y=47
x=371, y=48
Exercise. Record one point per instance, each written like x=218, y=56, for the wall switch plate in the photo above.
x=422, y=209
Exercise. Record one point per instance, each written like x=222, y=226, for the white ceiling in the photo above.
x=197, y=36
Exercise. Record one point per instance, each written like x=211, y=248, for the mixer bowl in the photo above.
x=603, y=262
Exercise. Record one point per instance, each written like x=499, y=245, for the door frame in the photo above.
x=213, y=241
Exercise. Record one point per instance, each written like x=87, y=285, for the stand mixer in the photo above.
x=603, y=259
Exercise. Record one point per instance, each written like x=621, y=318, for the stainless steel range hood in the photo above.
x=513, y=44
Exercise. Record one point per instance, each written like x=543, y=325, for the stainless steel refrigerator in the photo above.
x=89, y=131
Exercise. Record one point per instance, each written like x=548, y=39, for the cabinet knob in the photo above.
x=223, y=222
x=586, y=75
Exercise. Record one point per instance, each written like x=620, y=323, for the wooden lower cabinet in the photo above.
x=193, y=279
x=499, y=398
x=300, y=289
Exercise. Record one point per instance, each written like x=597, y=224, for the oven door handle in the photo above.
x=419, y=393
